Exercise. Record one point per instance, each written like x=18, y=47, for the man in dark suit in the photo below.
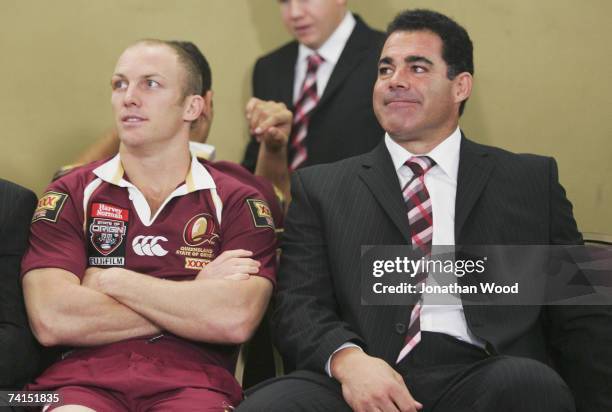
x=342, y=123
x=427, y=184
x=18, y=350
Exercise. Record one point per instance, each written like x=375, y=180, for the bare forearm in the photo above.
x=273, y=166
x=75, y=315
x=101, y=320
x=208, y=310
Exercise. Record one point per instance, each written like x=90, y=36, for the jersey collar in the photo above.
x=198, y=178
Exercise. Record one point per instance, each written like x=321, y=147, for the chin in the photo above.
x=131, y=139
x=309, y=40
x=400, y=129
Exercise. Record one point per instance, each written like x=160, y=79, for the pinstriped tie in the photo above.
x=305, y=104
x=420, y=217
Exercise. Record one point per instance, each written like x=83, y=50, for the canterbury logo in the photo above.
x=149, y=246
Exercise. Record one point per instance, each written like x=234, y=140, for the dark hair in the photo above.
x=200, y=61
x=457, y=49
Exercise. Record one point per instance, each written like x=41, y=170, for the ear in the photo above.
x=462, y=86
x=207, y=110
x=193, y=107
x=201, y=127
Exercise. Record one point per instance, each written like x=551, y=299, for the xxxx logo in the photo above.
x=48, y=202
x=194, y=263
x=49, y=206
x=263, y=210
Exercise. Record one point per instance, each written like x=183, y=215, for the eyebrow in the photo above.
x=146, y=76
x=408, y=59
x=385, y=60
x=422, y=59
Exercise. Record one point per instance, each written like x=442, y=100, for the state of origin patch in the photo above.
x=107, y=228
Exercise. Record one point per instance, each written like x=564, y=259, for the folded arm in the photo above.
x=224, y=307
x=64, y=312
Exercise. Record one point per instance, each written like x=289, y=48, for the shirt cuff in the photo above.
x=344, y=345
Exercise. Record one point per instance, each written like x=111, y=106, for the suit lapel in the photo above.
x=379, y=175
x=285, y=74
x=475, y=166
x=355, y=50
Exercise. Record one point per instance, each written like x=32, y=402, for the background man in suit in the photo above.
x=435, y=358
x=18, y=349
x=334, y=117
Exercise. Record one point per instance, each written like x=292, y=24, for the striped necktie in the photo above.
x=420, y=218
x=303, y=107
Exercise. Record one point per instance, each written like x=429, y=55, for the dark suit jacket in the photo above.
x=502, y=198
x=343, y=123
x=18, y=349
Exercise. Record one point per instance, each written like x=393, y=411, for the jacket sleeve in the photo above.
x=306, y=321
x=18, y=349
x=580, y=336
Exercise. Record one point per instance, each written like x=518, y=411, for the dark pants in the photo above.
x=444, y=374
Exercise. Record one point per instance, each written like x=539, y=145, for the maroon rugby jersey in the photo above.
x=93, y=216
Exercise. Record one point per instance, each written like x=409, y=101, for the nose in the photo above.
x=131, y=98
x=295, y=9
x=400, y=79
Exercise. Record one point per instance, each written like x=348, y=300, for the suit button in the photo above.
x=400, y=328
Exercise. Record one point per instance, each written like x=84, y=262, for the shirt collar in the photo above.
x=333, y=46
x=198, y=178
x=445, y=154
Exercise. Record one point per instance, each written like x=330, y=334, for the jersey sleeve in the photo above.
x=248, y=224
x=57, y=238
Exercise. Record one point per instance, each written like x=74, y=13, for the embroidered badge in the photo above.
x=200, y=229
x=49, y=206
x=262, y=216
x=107, y=225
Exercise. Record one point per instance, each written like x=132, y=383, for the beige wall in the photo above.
x=542, y=77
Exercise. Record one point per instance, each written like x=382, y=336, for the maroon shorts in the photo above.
x=136, y=375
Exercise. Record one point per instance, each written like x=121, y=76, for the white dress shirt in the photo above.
x=330, y=51
x=441, y=183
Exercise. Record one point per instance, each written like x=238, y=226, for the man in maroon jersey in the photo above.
x=153, y=265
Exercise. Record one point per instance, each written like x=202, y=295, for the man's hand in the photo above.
x=231, y=264
x=370, y=384
x=270, y=122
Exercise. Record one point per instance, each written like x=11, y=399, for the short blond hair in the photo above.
x=192, y=83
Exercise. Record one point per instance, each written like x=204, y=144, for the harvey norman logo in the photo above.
x=109, y=212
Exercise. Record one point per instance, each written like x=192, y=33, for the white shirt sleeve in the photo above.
x=344, y=345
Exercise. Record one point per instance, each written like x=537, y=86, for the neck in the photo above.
x=155, y=171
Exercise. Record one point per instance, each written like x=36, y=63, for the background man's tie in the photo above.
x=306, y=102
